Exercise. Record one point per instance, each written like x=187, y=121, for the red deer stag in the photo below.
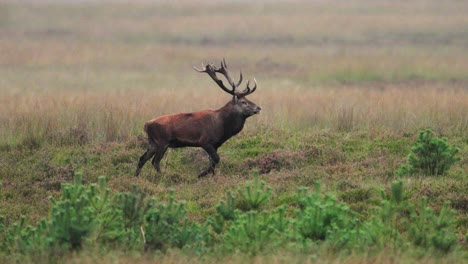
x=207, y=129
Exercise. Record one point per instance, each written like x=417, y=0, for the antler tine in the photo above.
x=223, y=63
x=247, y=89
x=224, y=71
x=211, y=70
x=255, y=87
x=240, y=79
x=203, y=68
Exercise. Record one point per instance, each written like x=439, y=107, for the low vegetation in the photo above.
x=313, y=203
x=94, y=217
x=430, y=156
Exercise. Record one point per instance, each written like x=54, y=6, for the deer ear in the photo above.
x=235, y=98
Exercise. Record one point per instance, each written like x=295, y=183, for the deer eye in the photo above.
x=244, y=103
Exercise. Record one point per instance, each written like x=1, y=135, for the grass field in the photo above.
x=344, y=88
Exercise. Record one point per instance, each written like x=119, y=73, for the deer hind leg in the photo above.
x=143, y=159
x=160, y=151
x=214, y=159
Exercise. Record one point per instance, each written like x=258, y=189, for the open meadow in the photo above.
x=344, y=86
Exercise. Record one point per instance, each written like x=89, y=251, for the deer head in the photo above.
x=240, y=104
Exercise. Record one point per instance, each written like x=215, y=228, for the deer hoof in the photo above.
x=205, y=172
x=202, y=174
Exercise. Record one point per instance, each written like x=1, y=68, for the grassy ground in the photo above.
x=345, y=87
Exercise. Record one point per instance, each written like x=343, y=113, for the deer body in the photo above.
x=207, y=129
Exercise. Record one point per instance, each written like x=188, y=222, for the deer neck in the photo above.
x=233, y=122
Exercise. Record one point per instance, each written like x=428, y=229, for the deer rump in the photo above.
x=207, y=129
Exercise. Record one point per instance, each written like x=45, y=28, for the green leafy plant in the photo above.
x=319, y=214
x=322, y=219
x=92, y=216
x=72, y=216
x=254, y=194
x=82, y=214
x=354, y=236
x=429, y=230
x=255, y=232
x=166, y=226
x=390, y=214
x=225, y=211
x=22, y=239
x=132, y=207
x=227, y=208
x=430, y=155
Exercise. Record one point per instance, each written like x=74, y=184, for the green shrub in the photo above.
x=322, y=219
x=319, y=215
x=429, y=230
x=254, y=194
x=92, y=217
x=82, y=214
x=430, y=156
x=71, y=217
x=132, y=208
x=255, y=232
x=401, y=220
x=353, y=237
x=166, y=226
x=225, y=211
x=389, y=215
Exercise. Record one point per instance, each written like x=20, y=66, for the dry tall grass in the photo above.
x=82, y=117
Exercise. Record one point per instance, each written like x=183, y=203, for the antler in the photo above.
x=211, y=70
x=247, y=90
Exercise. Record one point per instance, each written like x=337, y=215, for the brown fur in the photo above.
x=207, y=129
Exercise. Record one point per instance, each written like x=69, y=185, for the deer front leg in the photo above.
x=214, y=159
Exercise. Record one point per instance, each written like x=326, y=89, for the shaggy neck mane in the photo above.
x=232, y=122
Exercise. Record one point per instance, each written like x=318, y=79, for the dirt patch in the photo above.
x=55, y=176
x=276, y=160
